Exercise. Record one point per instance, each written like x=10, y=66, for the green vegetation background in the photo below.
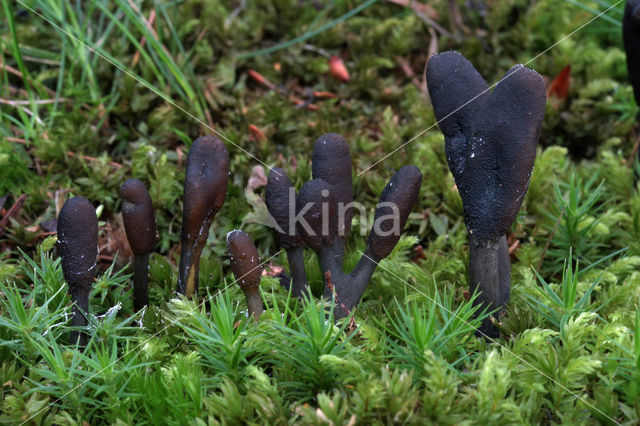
x=95, y=92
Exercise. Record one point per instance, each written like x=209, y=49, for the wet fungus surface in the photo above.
x=205, y=189
x=490, y=143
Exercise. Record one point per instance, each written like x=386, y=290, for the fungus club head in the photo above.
x=137, y=215
x=457, y=93
x=205, y=186
x=280, y=199
x=490, y=137
x=396, y=201
x=331, y=162
x=205, y=189
x=245, y=262
x=316, y=207
x=78, y=242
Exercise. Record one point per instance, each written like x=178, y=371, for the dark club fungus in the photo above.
x=78, y=248
x=245, y=264
x=490, y=144
x=280, y=198
x=631, y=36
x=205, y=189
x=322, y=219
x=140, y=226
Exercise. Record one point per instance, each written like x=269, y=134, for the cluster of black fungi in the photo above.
x=491, y=134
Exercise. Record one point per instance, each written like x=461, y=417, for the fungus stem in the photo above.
x=254, y=303
x=490, y=273
x=356, y=282
x=140, y=281
x=338, y=250
x=348, y=288
x=297, y=271
x=79, y=319
x=188, y=270
x=328, y=262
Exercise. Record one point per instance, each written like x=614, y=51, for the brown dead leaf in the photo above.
x=560, y=85
x=256, y=134
x=338, y=68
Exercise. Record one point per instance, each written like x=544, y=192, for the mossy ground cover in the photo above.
x=96, y=92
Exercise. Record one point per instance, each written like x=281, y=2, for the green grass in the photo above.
x=79, y=121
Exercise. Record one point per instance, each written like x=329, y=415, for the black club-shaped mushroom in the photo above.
x=140, y=226
x=322, y=219
x=337, y=173
x=631, y=36
x=490, y=143
x=245, y=264
x=78, y=247
x=280, y=198
x=205, y=189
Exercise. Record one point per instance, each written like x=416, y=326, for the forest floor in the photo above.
x=99, y=91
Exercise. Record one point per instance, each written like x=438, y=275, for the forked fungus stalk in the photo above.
x=140, y=226
x=205, y=189
x=323, y=207
x=490, y=143
x=78, y=248
x=245, y=264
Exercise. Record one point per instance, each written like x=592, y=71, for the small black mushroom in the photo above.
x=78, y=248
x=140, y=226
x=490, y=142
x=205, y=189
x=280, y=198
x=245, y=264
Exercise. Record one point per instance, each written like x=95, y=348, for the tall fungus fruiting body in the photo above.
x=490, y=144
x=631, y=37
x=205, y=189
x=140, y=226
x=280, y=199
x=78, y=248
